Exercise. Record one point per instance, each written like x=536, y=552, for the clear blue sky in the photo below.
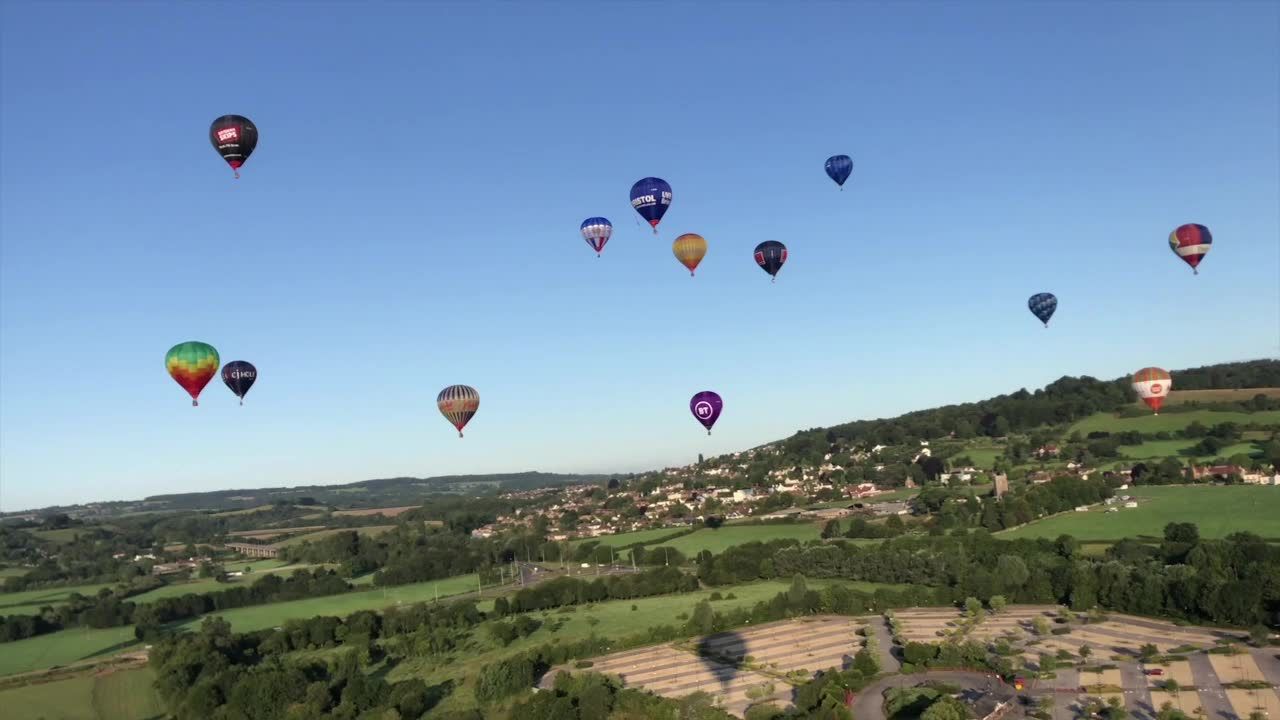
x=410, y=220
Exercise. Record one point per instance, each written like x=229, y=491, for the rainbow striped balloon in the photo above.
x=192, y=365
x=458, y=404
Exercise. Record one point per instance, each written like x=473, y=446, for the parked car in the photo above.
x=1154, y=671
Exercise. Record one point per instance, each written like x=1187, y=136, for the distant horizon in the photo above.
x=587, y=473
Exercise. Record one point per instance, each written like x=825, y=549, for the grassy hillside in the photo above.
x=63, y=648
x=123, y=695
x=1107, y=422
x=29, y=602
x=1218, y=511
x=1158, y=449
x=1179, y=397
x=372, y=531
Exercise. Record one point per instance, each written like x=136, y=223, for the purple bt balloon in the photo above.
x=706, y=407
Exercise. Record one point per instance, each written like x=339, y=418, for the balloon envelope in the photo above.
x=1191, y=242
x=1152, y=385
x=234, y=137
x=597, y=231
x=706, y=407
x=839, y=167
x=651, y=197
x=1043, y=305
x=192, y=364
x=239, y=376
x=770, y=256
x=458, y=404
x=689, y=249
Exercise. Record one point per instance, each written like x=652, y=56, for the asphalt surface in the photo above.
x=888, y=662
x=869, y=704
x=1210, y=694
x=1137, y=694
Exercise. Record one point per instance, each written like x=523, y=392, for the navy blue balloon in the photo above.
x=651, y=197
x=839, y=168
x=1042, y=306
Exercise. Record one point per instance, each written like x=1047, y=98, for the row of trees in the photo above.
x=1230, y=581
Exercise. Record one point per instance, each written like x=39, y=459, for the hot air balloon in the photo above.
x=706, y=407
x=770, y=255
x=597, y=231
x=690, y=248
x=1152, y=385
x=839, y=167
x=651, y=197
x=1042, y=306
x=234, y=137
x=458, y=404
x=1191, y=242
x=239, y=377
x=192, y=365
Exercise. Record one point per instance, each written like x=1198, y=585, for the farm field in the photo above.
x=613, y=619
x=12, y=572
x=29, y=602
x=1178, y=397
x=726, y=536
x=1107, y=422
x=63, y=648
x=983, y=457
x=206, y=585
x=124, y=695
x=264, y=616
x=1218, y=511
x=1174, y=448
x=639, y=536
x=371, y=531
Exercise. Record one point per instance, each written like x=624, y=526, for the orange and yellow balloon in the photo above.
x=690, y=248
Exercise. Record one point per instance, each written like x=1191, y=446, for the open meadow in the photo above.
x=1217, y=510
x=639, y=536
x=121, y=695
x=1179, y=397
x=1160, y=449
x=29, y=602
x=258, y=617
x=63, y=648
x=726, y=536
x=1169, y=422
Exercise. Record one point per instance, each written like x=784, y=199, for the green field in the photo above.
x=124, y=695
x=639, y=536
x=611, y=619
x=205, y=585
x=1106, y=422
x=1174, y=448
x=63, y=648
x=1218, y=511
x=372, y=531
x=265, y=616
x=13, y=572
x=1178, y=397
x=61, y=537
x=29, y=602
x=726, y=536
x=983, y=457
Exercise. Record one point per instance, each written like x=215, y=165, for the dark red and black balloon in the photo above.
x=239, y=376
x=770, y=255
x=234, y=137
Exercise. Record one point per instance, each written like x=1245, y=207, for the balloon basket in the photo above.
x=195, y=403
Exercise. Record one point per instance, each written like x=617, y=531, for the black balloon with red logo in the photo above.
x=239, y=376
x=234, y=137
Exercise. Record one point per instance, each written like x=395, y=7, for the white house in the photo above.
x=1131, y=504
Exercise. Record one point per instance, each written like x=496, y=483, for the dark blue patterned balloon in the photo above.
x=839, y=167
x=1042, y=306
x=651, y=197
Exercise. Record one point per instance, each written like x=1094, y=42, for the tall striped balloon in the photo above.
x=597, y=231
x=689, y=249
x=1191, y=242
x=192, y=365
x=1152, y=385
x=458, y=404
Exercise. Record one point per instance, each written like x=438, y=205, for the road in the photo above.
x=1137, y=694
x=879, y=627
x=869, y=704
x=1210, y=694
